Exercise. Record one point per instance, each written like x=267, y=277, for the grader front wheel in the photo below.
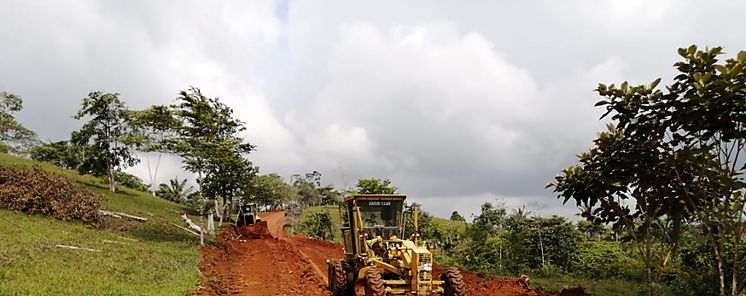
x=374, y=284
x=338, y=279
x=454, y=282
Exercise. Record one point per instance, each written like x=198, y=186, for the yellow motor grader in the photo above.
x=377, y=256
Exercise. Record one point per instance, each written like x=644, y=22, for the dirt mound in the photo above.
x=478, y=284
x=39, y=192
x=276, y=221
x=255, y=231
x=263, y=266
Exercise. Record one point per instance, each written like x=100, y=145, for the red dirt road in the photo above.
x=264, y=261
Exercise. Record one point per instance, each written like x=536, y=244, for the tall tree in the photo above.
x=14, y=137
x=107, y=135
x=307, y=187
x=375, y=186
x=207, y=139
x=271, y=190
x=675, y=154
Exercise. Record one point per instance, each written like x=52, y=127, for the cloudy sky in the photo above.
x=456, y=102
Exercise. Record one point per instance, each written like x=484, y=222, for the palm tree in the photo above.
x=175, y=191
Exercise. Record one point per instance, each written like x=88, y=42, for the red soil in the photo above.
x=261, y=260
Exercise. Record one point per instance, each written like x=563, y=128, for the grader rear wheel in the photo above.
x=374, y=284
x=454, y=282
x=338, y=279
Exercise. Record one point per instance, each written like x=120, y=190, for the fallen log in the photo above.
x=195, y=227
x=107, y=213
x=187, y=229
x=120, y=215
x=76, y=248
x=112, y=242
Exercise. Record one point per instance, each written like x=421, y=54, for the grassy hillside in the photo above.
x=151, y=258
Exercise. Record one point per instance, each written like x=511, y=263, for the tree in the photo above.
x=329, y=195
x=675, y=154
x=176, y=191
x=207, y=139
x=307, y=187
x=707, y=111
x=318, y=225
x=107, y=136
x=61, y=153
x=483, y=246
x=271, y=190
x=228, y=176
x=375, y=186
x=491, y=217
x=155, y=126
x=455, y=216
x=14, y=137
x=590, y=229
x=558, y=241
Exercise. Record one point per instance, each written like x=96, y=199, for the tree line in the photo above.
x=202, y=131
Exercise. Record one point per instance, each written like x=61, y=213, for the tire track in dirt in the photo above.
x=257, y=264
x=317, y=252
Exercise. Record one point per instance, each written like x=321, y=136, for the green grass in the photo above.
x=151, y=258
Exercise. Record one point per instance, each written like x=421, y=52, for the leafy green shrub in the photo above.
x=317, y=225
x=129, y=181
x=548, y=271
x=604, y=260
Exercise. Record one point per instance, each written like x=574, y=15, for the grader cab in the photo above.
x=377, y=256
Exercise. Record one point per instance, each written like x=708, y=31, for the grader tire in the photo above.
x=454, y=282
x=374, y=284
x=338, y=279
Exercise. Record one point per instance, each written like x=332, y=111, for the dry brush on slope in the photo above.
x=36, y=191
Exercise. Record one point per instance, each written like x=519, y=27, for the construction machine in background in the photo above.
x=377, y=255
x=247, y=215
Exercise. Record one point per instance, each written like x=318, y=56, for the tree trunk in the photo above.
x=501, y=257
x=153, y=175
x=195, y=227
x=219, y=212
x=734, y=284
x=721, y=271
x=112, y=182
x=541, y=246
x=210, y=224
